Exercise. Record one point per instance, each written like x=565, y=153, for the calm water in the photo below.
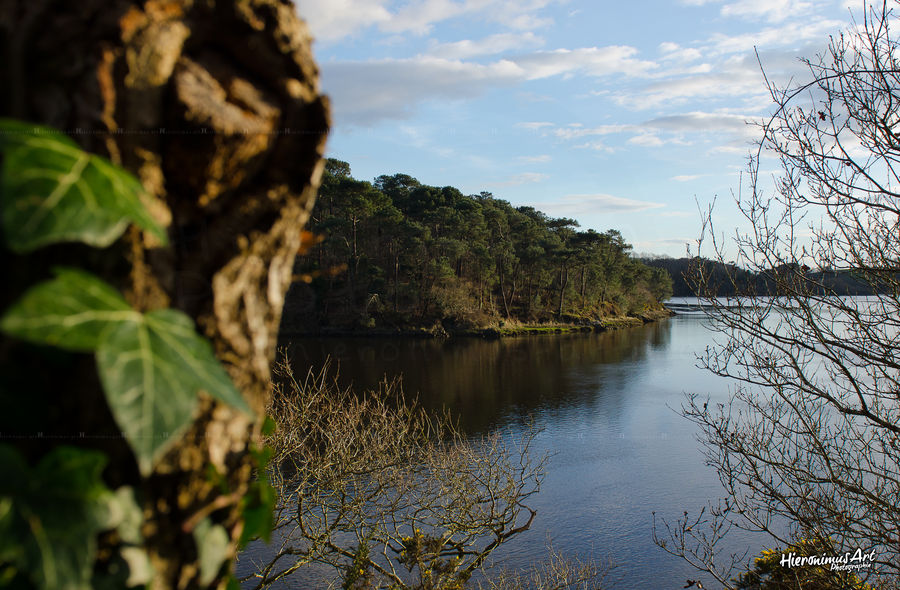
x=607, y=404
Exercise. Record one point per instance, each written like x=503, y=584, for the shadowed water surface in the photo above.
x=606, y=405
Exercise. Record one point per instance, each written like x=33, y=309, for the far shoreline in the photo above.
x=503, y=329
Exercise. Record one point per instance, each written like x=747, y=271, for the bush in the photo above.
x=385, y=495
x=768, y=573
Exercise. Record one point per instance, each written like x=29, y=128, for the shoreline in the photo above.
x=438, y=330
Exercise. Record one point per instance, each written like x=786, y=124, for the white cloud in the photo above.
x=668, y=47
x=491, y=45
x=730, y=148
x=647, y=139
x=331, y=20
x=523, y=178
x=534, y=125
x=700, y=82
x=730, y=133
x=597, y=146
x=772, y=10
x=794, y=34
x=577, y=131
x=727, y=128
x=700, y=122
x=675, y=52
x=529, y=177
x=592, y=61
x=706, y=86
x=366, y=92
x=522, y=21
x=731, y=68
x=419, y=17
x=595, y=203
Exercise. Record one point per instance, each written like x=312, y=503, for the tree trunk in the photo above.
x=583, y=286
x=215, y=106
x=396, y=281
x=503, y=291
x=563, y=283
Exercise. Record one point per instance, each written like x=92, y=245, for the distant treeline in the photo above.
x=727, y=279
x=396, y=252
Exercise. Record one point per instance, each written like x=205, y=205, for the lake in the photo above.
x=607, y=406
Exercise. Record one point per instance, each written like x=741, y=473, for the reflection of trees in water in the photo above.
x=660, y=335
x=484, y=382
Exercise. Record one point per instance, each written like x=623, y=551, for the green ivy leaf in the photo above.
x=52, y=191
x=12, y=555
x=268, y=426
x=212, y=548
x=198, y=364
x=12, y=550
x=152, y=370
x=54, y=513
x=140, y=568
x=71, y=311
x=258, y=504
x=258, y=508
x=151, y=365
x=125, y=515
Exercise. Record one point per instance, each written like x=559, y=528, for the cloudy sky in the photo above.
x=621, y=115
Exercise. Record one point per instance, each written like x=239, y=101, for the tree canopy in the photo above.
x=409, y=252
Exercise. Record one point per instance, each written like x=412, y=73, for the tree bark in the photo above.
x=563, y=283
x=215, y=106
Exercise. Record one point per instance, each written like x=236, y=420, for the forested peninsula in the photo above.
x=396, y=255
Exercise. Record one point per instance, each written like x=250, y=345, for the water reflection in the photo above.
x=488, y=382
x=607, y=406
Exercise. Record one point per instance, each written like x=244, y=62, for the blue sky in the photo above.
x=622, y=115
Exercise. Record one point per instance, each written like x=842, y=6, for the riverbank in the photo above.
x=502, y=329
x=584, y=326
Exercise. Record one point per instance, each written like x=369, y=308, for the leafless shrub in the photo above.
x=810, y=440
x=386, y=495
x=557, y=572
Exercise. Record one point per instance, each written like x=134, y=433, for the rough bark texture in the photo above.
x=214, y=105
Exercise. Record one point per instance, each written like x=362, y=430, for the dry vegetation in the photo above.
x=386, y=495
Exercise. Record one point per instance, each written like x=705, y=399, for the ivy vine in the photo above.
x=152, y=367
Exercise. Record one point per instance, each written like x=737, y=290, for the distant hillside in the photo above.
x=731, y=280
